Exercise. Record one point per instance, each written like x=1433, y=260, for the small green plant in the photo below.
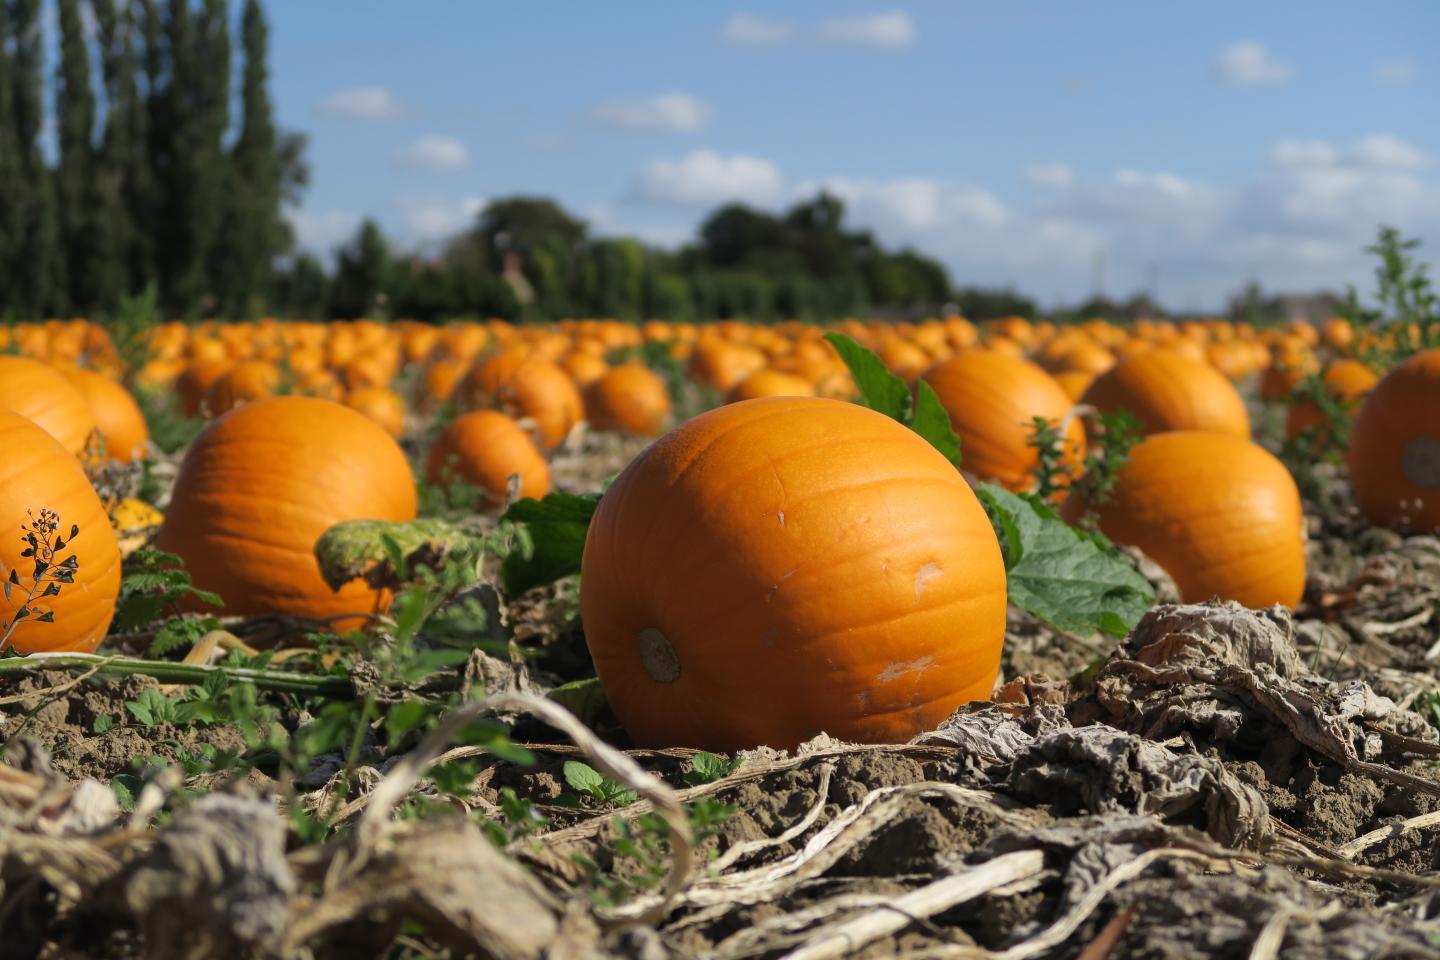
x=170, y=429
x=1114, y=436
x=131, y=326
x=1408, y=306
x=520, y=819
x=586, y=781
x=639, y=852
x=152, y=586
x=708, y=768
x=1052, y=473
x=49, y=572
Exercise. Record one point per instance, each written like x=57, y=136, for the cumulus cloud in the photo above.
x=753, y=30
x=1395, y=71
x=427, y=219
x=433, y=154
x=1049, y=175
x=668, y=113
x=705, y=178
x=1249, y=64
x=1377, y=151
x=893, y=30
x=322, y=231
x=362, y=103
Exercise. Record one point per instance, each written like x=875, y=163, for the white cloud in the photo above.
x=1379, y=150
x=322, y=232
x=1056, y=175
x=705, y=178
x=753, y=30
x=912, y=203
x=668, y=113
x=1395, y=71
x=363, y=103
x=893, y=30
x=1249, y=64
x=433, y=154
x=1376, y=151
x=428, y=219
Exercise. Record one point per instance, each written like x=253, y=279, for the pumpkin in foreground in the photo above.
x=259, y=487
x=40, y=393
x=1395, y=447
x=37, y=473
x=780, y=567
x=1220, y=514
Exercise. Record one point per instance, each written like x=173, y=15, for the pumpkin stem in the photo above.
x=659, y=656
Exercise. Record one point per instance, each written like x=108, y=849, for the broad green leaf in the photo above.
x=554, y=539
x=1059, y=575
x=884, y=392
x=382, y=551
x=880, y=390
x=583, y=778
x=584, y=698
x=932, y=422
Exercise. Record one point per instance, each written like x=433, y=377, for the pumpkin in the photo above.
x=485, y=449
x=1346, y=381
x=42, y=394
x=771, y=383
x=38, y=473
x=117, y=416
x=1168, y=390
x=584, y=368
x=260, y=485
x=248, y=381
x=534, y=390
x=720, y=365
x=993, y=400
x=1395, y=447
x=630, y=398
x=134, y=521
x=784, y=566
x=1220, y=514
x=195, y=381
x=381, y=404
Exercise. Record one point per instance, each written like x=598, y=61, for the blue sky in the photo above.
x=1047, y=146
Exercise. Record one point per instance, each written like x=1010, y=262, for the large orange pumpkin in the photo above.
x=42, y=394
x=117, y=415
x=1220, y=514
x=262, y=483
x=1395, y=447
x=1168, y=390
x=993, y=400
x=484, y=449
x=38, y=473
x=629, y=398
x=785, y=566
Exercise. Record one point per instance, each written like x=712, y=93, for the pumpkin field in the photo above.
x=960, y=637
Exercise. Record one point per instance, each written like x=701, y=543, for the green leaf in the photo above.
x=1060, y=576
x=103, y=723
x=583, y=778
x=152, y=708
x=932, y=421
x=584, y=698
x=707, y=768
x=125, y=786
x=403, y=717
x=555, y=527
x=880, y=390
x=884, y=392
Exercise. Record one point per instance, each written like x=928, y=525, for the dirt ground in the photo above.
x=1222, y=783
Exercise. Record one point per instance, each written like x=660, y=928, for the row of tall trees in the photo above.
x=527, y=258
x=146, y=174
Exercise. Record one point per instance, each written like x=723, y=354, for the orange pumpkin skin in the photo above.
x=1167, y=390
x=42, y=394
x=771, y=383
x=1395, y=447
x=992, y=399
x=485, y=449
x=195, y=381
x=262, y=483
x=534, y=390
x=1220, y=514
x=117, y=415
x=381, y=404
x=1347, y=381
x=784, y=566
x=630, y=399
x=250, y=381
x=37, y=473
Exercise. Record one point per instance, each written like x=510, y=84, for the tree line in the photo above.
x=527, y=258
x=150, y=172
